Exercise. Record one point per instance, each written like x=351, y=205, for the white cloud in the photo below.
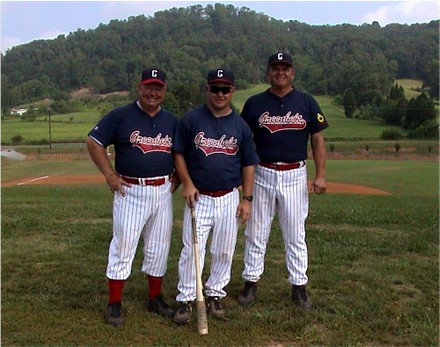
x=404, y=12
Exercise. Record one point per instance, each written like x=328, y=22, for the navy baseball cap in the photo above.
x=280, y=57
x=221, y=75
x=153, y=75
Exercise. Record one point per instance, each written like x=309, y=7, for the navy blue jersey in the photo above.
x=281, y=125
x=143, y=144
x=215, y=148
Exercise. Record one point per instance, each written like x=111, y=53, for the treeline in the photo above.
x=187, y=42
x=417, y=116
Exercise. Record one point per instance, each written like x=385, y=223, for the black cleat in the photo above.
x=248, y=295
x=159, y=306
x=183, y=313
x=113, y=315
x=299, y=297
x=214, y=307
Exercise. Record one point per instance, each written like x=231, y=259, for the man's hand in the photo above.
x=244, y=211
x=116, y=183
x=191, y=195
x=175, y=182
x=318, y=186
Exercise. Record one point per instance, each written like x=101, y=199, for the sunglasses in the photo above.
x=217, y=89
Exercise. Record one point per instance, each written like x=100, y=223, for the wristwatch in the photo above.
x=248, y=197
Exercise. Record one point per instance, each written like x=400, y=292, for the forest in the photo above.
x=358, y=64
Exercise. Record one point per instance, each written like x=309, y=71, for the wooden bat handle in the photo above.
x=202, y=320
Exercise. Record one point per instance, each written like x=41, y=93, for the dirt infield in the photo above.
x=332, y=188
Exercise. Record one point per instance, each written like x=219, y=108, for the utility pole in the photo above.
x=50, y=130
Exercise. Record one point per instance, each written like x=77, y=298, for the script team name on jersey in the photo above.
x=151, y=144
x=212, y=146
x=284, y=122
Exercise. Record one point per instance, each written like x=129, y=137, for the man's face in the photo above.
x=219, y=95
x=280, y=75
x=151, y=95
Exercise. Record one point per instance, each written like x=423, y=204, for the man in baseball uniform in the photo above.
x=142, y=182
x=215, y=154
x=282, y=120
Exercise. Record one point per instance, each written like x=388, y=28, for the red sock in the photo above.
x=155, y=284
x=115, y=290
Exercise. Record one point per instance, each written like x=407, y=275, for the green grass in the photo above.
x=412, y=87
x=373, y=267
x=61, y=131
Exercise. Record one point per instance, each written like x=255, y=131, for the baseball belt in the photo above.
x=215, y=193
x=283, y=166
x=145, y=181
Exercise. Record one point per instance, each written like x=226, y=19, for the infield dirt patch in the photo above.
x=332, y=188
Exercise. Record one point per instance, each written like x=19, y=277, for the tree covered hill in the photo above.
x=187, y=42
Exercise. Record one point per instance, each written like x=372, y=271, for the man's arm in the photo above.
x=99, y=156
x=245, y=206
x=319, y=184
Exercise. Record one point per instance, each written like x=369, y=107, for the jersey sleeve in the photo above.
x=181, y=137
x=245, y=111
x=319, y=122
x=104, y=131
x=248, y=150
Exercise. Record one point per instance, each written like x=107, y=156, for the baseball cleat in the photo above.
x=159, y=306
x=113, y=315
x=299, y=297
x=183, y=313
x=248, y=295
x=214, y=307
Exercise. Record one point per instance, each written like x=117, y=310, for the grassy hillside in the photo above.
x=73, y=127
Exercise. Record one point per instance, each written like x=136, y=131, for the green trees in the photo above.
x=420, y=110
x=187, y=42
x=349, y=104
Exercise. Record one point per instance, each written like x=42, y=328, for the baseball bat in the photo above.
x=202, y=320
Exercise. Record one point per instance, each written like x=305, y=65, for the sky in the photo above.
x=25, y=21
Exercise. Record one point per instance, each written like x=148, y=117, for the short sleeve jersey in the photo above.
x=143, y=144
x=215, y=148
x=282, y=125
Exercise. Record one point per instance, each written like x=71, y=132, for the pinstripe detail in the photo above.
x=219, y=216
x=285, y=193
x=146, y=211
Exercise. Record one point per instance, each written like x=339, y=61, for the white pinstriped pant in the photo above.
x=218, y=214
x=284, y=192
x=145, y=210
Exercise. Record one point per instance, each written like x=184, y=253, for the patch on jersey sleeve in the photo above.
x=320, y=118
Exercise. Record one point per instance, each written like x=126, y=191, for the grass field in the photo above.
x=373, y=267
x=373, y=264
